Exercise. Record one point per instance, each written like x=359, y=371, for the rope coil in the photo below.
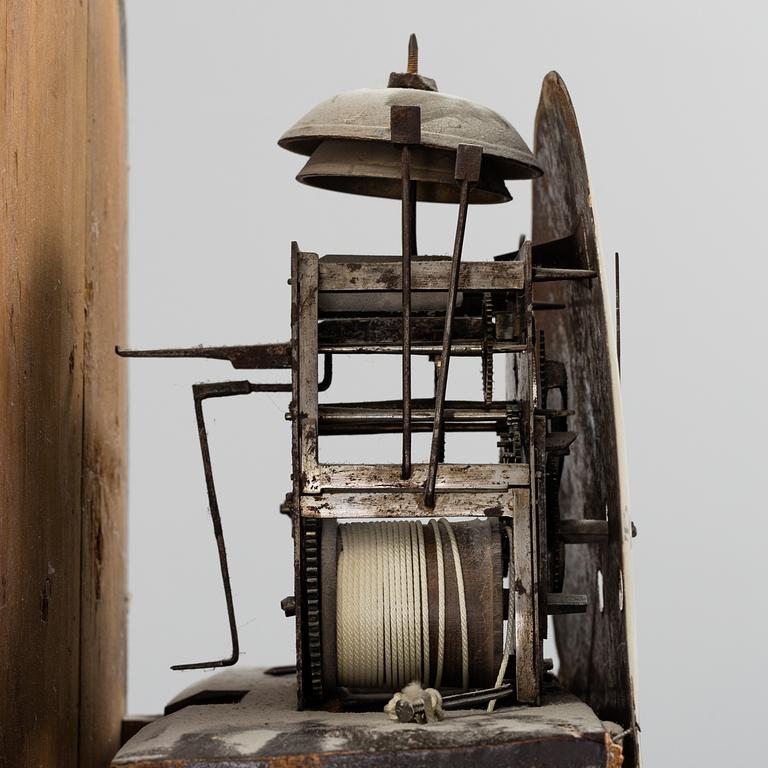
x=383, y=612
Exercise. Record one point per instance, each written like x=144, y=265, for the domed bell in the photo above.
x=348, y=141
x=374, y=169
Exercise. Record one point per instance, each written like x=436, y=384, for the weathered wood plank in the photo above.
x=525, y=528
x=391, y=505
x=596, y=649
x=265, y=730
x=62, y=229
x=425, y=276
x=103, y=588
x=526, y=671
x=42, y=230
x=450, y=477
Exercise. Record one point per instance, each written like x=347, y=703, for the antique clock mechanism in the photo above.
x=425, y=571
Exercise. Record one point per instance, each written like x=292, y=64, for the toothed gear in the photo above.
x=543, y=369
x=510, y=440
x=552, y=376
x=489, y=334
x=555, y=547
x=310, y=544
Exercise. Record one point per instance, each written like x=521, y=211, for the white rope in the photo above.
x=381, y=615
x=424, y=593
x=462, y=603
x=373, y=625
x=389, y=673
x=341, y=615
x=406, y=563
x=440, y=603
x=382, y=603
x=401, y=636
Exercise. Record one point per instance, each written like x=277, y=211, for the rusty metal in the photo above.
x=458, y=348
x=361, y=330
x=413, y=55
x=489, y=335
x=405, y=129
x=408, y=224
x=413, y=712
x=447, y=121
x=325, y=383
x=411, y=77
x=200, y=393
x=468, y=159
x=348, y=141
x=412, y=143
x=437, y=363
x=550, y=274
x=243, y=356
x=374, y=169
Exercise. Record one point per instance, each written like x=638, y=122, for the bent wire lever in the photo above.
x=203, y=392
x=263, y=356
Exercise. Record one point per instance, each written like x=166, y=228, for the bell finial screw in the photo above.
x=413, y=55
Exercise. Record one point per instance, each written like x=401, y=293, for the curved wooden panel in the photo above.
x=596, y=649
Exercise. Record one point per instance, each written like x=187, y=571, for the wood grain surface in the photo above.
x=62, y=575
x=264, y=730
x=596, y=649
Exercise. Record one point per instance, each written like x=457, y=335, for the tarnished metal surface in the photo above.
x=414, y=143
x=405, y=130
x=244, y=356
x=353, y=145
x=383, y=273
x=371, y=168
x=468, y=160
x=446, y=122
x=360, y=491
x=264, y=729
x=412, y=78
x=200, y=393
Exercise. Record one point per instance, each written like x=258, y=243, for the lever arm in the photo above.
x=468, y=160
x=202, y=392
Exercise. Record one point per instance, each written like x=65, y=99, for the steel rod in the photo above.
x=408, y=224
x=253, y=356
x=442, y=380
x=550, y=274
x=405, y=130
x=490, y=413
x=200, y=393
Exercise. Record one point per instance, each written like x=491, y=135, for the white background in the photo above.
x=671, y=100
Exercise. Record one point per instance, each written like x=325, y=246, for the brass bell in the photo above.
x=347, y=139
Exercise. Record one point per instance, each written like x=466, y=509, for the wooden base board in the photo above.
x=265, y=729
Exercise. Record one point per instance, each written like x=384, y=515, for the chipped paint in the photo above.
x=265, y=729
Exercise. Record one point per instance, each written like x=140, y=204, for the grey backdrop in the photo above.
x=672, y=105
